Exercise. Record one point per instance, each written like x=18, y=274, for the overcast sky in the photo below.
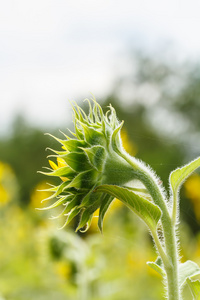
x=54, y=50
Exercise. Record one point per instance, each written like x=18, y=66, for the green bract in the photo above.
x=87, y=161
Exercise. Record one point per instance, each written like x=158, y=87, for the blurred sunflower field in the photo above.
x=38, y=261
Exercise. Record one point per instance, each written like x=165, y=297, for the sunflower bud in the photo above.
x=90, y=159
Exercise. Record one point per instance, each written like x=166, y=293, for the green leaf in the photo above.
x=87, y=216
x=147, y=211
x=103, y=209
x=61, y=172
x=57, y=139
x=57, y=189
x=115, y=139
x=186, y=270
x=88, y=198
x=92, y=136
x=96, y=156
x=90, y=115
x=81, y=114
x=97, y=111
x=113, y=118
x=157, y=266
x=194, y=288
x=71, y=216
x=73, y=203
x=85, y=180
x=78, y=131
x=178, y=176
x=73, y=145
x=57, y=203
x=58, y=153
x=77, y=161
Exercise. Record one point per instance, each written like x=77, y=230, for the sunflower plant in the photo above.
x=94, y=169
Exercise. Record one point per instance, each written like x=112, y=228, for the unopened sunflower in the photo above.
x=89, y=159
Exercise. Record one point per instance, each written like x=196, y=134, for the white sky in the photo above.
x=54, y=50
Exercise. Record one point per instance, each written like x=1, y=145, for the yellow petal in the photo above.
x=61, y=162
x=53, y=165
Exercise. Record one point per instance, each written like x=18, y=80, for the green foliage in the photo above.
x=146, y=210
x=49, y=265
x=24, y=152
x=188, y=269
x=178, y=176
x=195, y=288
x=157, y=266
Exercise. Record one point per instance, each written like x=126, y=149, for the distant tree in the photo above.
x=24, y=150
x=160, y=101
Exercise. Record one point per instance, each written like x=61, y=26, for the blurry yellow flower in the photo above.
x=63, y=269
x=8, y=186
x=192, y=191
x=5, y=170
x=39, y=194
x=130, y=147
x=115, y=205
x=4, y=196
x=136, y=262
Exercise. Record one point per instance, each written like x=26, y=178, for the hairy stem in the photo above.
x=174, y=209
x=161, y=251
x=148, y=179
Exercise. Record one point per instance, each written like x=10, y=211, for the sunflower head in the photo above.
x=89, y=159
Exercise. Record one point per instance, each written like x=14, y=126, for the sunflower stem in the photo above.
x=170, y=239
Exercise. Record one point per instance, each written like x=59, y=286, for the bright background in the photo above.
x=144, y=58
x=52, y=51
